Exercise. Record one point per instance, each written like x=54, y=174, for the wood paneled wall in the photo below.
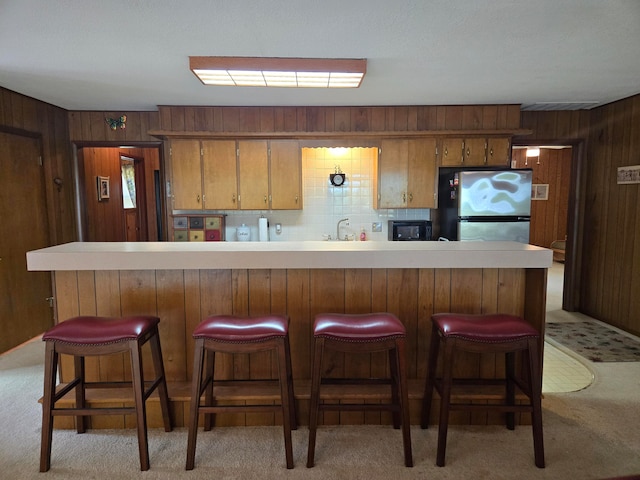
x=26, y=116
x=91, y=126
x=548, y=217
x=608, y=224
x=338, y=119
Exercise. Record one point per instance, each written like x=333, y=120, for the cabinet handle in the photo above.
x=296, y=198
x=233, y=198
x=404, y=197
x=468, y=152
x=410, y=197
x=265, y=199
x=198, y=198
x=446, y=151
x=491, y=152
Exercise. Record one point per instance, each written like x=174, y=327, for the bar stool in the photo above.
x=361, y=333
x=488, y=333
x=88, y=336
x=232, y=334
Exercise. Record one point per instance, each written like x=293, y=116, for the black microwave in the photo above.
x=409, y=230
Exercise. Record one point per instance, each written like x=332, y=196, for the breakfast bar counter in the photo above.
x=182, y=283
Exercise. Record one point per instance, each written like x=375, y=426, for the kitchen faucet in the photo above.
x=338, y=227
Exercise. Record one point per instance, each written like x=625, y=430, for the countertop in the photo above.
x=285, y=255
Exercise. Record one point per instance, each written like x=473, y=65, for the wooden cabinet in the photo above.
x=285, y=175
x=407, y=173
x=219, y=174
x=203, y=175
x=475, y=152
x=186, y=174
x=269, y=175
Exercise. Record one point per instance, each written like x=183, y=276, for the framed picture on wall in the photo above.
x=103, y=188
x=540, y=191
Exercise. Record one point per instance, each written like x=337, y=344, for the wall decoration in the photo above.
x=115, y=123
x=629, y=174
x=103, y=188
x=540, y=191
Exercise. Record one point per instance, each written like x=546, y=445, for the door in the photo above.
x=24, y=310
x=285, y=175
x=253, y=168
x=392, y=172
x=219, y=174
x=186, y=175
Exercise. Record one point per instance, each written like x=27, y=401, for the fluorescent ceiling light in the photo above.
x=279, y=72
x=533, y=152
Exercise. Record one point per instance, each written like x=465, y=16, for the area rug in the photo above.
x=594, y=341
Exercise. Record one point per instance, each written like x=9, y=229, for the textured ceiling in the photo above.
x=133, y=54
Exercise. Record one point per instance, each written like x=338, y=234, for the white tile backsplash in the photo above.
x=324, y=205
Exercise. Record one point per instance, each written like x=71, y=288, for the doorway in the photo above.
x=24, y=310
x=551, y=166
x=129, y=213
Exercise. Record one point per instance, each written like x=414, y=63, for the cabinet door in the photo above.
x=285, y=175
x=451, y=152
x=253, y=174
x=186, y=175
x=421, y=181
x=220, y=174
x=392, y=174
x=475, y=152
x=499, y=151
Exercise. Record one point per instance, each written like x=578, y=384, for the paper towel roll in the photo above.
x=263, y=229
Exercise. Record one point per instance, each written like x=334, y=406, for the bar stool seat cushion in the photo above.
x=87, y=330
x=488, y=328
x=225, y=328
x=366, y=327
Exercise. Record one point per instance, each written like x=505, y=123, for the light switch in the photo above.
x=278, y=228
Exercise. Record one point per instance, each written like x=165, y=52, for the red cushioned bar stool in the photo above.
x=89, y=336
x=233, y=334
x=361, y=333
x=487, y=333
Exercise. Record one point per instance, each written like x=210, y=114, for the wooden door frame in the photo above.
x=575, y=218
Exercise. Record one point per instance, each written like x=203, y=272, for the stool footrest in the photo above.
x=93, y=411
x=240, y=408
x=355, y=407
x=489, y=406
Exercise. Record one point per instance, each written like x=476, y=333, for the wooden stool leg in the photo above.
x=285, y=400
x=395, y=387
x=510, y=399
x=314, y=403
x=447, y=380
x=81, y=420
x=536, y=402
x=50, y=365
x=196, y=390
x=137, y=379
x=163, y=394
x=209, y=371
x=427, y=398
x=404, y=401
x=290, y=392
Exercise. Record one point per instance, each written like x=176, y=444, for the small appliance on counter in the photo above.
x=409, y=230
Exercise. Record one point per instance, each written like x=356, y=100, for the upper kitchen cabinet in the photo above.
x=253, y=171
x=499, y=151
x=407, y=173
x=475, y=152
x=220, y=175
x=285, y=173
x=186, y=175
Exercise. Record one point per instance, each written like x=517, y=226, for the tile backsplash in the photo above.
x=324, y=204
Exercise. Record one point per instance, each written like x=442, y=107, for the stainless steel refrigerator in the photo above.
x=488, y=205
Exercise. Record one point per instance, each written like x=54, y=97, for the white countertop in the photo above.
x=268, y=255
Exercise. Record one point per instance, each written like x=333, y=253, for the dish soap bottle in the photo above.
x=363, y=235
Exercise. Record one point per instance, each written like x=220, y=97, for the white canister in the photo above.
x=243, y=233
